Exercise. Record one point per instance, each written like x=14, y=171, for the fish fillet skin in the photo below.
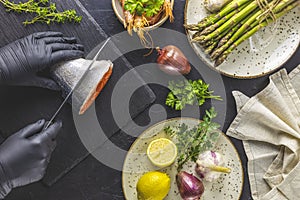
x=67, y=75
x=96, y=91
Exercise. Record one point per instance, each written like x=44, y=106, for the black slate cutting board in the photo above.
x=22, y=105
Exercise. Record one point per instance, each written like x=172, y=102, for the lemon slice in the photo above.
x=162, y=152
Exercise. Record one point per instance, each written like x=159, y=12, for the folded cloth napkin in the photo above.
x=269, y=126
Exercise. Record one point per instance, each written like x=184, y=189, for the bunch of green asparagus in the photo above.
x=219, y=34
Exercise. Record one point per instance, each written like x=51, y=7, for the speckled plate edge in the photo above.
x=220, y=71
x=148, y=28
x=179, y=119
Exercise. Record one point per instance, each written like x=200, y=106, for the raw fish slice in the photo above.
x=67, y=74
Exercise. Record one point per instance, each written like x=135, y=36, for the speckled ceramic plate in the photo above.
x=247, y=60
x=117, y=7
x=228, y=186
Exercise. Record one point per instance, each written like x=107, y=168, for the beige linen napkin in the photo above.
x=269, y=125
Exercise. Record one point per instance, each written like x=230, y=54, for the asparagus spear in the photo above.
x=207, y=21
x=224, y=39
x=252, y=21
x=211, y=19
x=210, y=42
x=249, y=33
x=230, y=7
x=237, y=34
x=214, y=26
x=230, y=23
x=222, y=21
x=211, y=47
x=207, y=44
x=195, y=35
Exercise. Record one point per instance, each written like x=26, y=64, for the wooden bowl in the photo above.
x=117, y=7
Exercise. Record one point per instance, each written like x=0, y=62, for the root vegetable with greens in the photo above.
x=142, y=13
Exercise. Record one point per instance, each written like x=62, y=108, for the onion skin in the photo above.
x=172, y=61
x=190, y=187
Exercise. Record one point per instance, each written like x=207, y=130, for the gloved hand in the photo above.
x=34, y=80
x=36, y=52
x=25, y=155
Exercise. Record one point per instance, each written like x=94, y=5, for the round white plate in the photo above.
x=228, y=186
x=245, y=61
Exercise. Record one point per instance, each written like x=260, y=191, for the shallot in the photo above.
x=190, y=187
x=172, y=61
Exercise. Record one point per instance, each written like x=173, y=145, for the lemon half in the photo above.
x=162, y=152
x=153, y=186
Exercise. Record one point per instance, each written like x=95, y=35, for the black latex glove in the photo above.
x=25, y=155
x=34, y=80
x=24, y=57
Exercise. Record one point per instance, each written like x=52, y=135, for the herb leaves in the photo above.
x=193, y=141
x=188, y=92
x=44, y=11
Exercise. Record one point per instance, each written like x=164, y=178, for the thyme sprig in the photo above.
x=193, y=141
x=43, y=10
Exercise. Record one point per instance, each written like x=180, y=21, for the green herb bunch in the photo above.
x=193, y=141
x=188, y=92
x=149, y=8
x=44, y=11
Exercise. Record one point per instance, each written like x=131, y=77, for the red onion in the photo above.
x=190, y=187
x=172, y=61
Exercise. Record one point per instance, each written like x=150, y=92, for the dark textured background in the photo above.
x=40, y=103
x=91, y=180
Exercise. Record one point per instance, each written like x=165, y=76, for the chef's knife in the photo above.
x=77, y=84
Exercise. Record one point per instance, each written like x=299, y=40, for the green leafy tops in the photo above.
x=149, y=8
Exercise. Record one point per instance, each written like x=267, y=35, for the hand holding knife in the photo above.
x=77, y=84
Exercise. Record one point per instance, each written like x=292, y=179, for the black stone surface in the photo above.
x=92, y=180
x=23, y=105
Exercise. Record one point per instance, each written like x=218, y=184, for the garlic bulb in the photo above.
x=209, y=166
x=215, y=5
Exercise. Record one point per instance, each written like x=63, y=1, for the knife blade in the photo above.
x=76, y=85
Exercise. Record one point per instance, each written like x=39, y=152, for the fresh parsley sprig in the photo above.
x=188, y=92
x=193, y=141
x=149, y=8
x=44, y=11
